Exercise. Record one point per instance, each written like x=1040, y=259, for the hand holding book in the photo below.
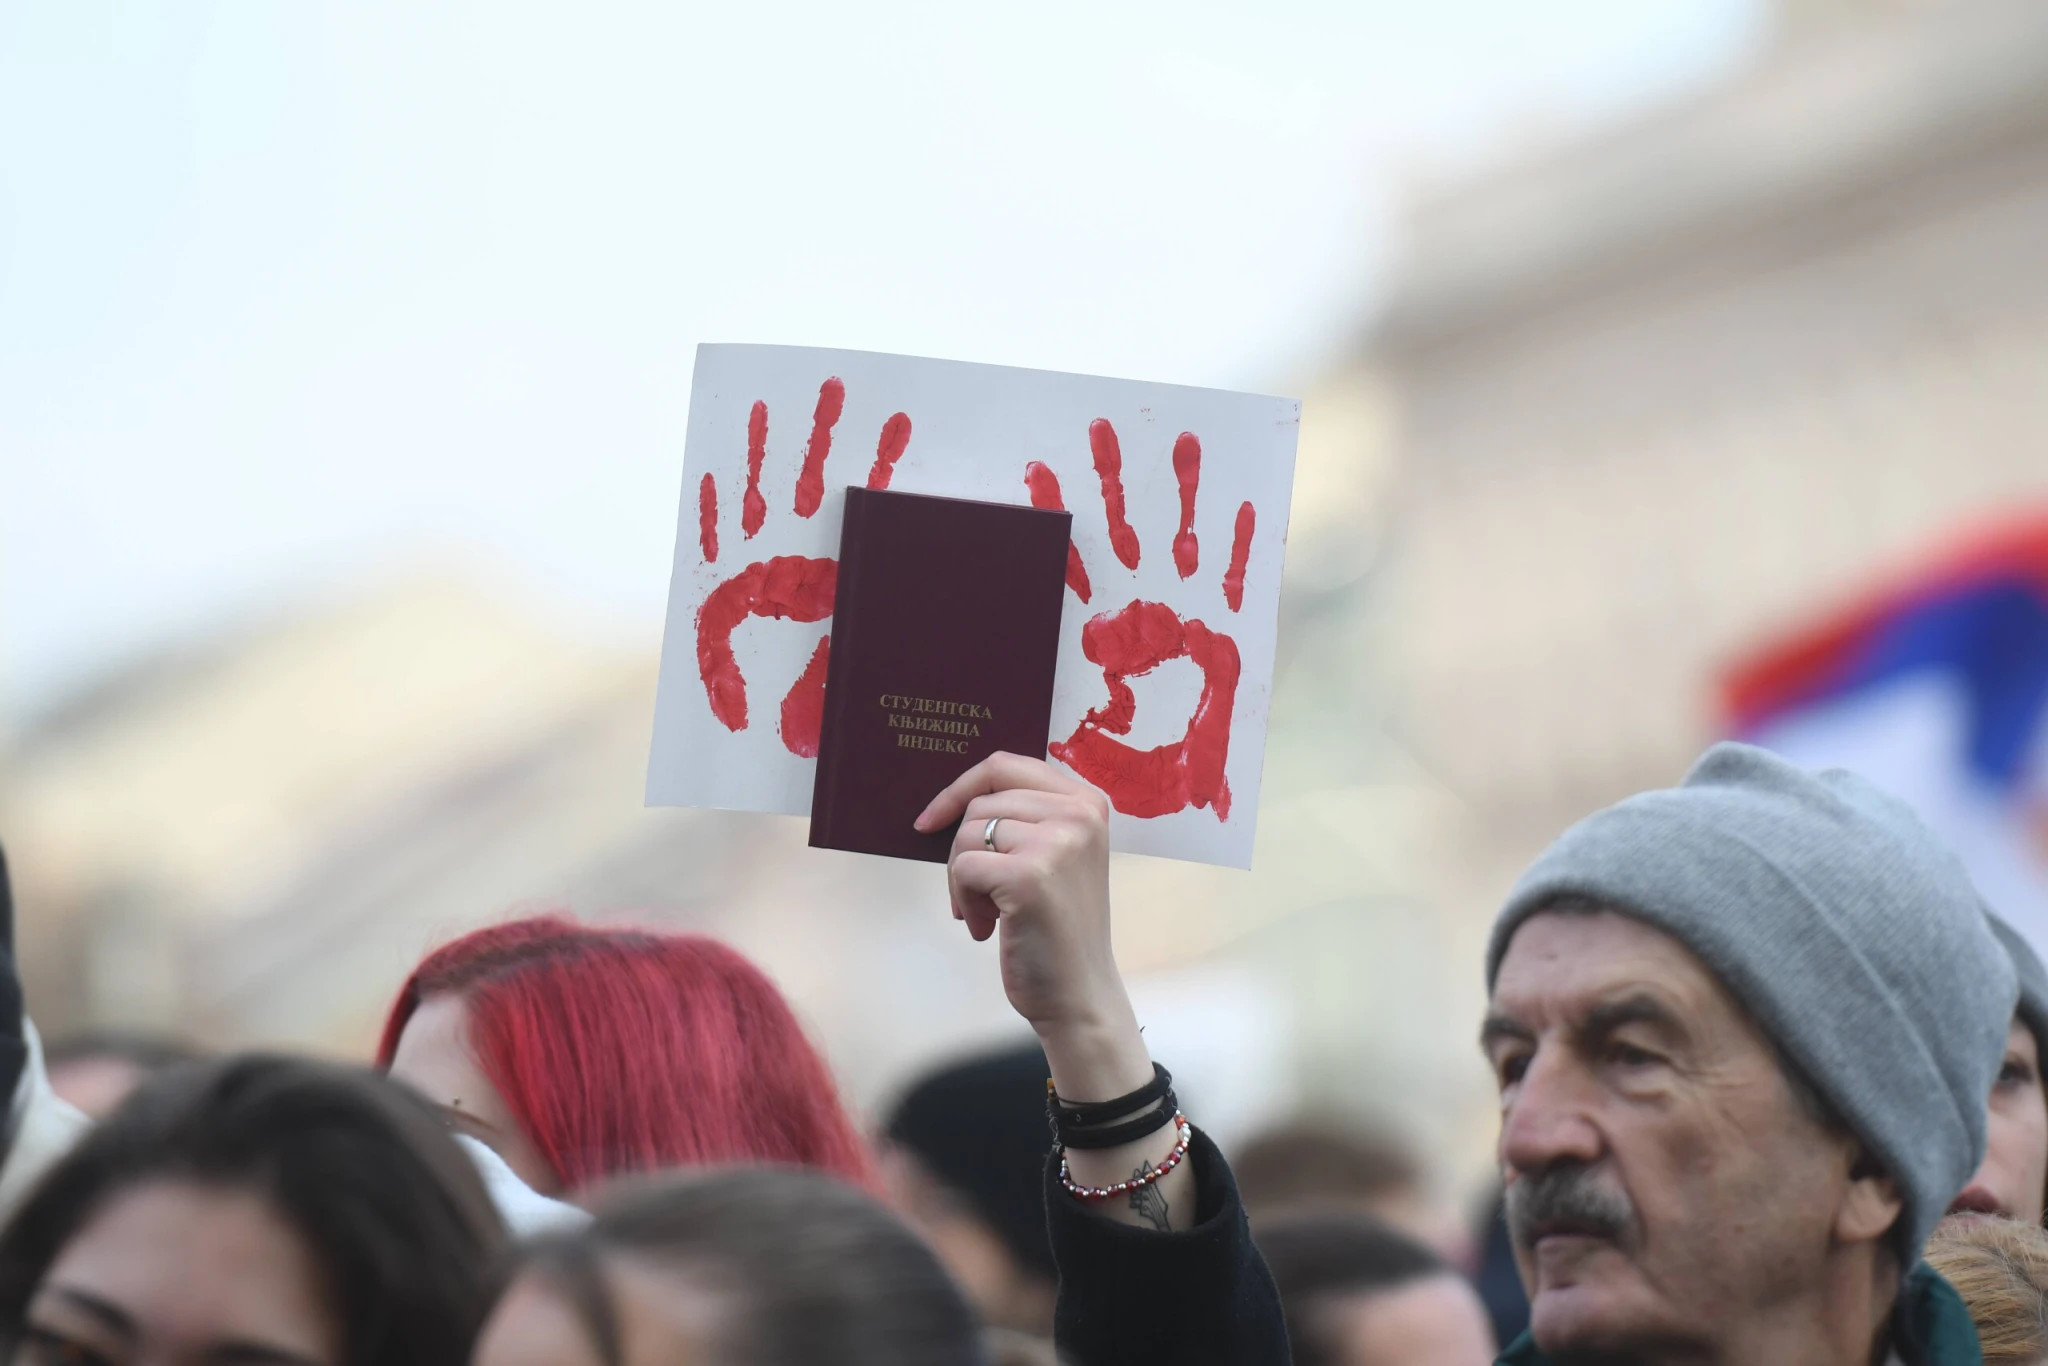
x=1045, y=889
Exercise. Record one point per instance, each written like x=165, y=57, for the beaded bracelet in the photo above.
x=1142, y=1179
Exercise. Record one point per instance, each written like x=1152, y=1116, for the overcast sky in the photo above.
x=290, y=293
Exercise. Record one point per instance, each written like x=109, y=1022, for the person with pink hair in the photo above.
x=579, y=1052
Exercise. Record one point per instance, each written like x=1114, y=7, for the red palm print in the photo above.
x=1138, y=637
x=794, y=587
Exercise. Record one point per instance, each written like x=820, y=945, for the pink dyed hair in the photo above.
x=624, y=1050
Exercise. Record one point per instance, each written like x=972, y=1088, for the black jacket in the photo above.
x=1131, y=1296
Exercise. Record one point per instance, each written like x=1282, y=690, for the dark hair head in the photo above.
x=394, y=1213
x=979, y=1126
x=1318, y=1257
x=810, y=1271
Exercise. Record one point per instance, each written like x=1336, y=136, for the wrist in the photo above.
x=1096, y=1058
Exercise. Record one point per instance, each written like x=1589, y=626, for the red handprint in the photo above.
x=1140, y=636
x=795, y=587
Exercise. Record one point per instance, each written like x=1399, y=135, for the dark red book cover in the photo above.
x=945, y=636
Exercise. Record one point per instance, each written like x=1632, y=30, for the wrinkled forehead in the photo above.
x=1573, y=957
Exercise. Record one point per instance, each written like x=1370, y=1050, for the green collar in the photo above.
x=1931, y=1327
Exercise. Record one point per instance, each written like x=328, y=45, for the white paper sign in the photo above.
x=1180, y=501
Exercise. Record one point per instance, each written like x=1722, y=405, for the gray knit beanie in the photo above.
x=1846, y=929
x=2033, y=1007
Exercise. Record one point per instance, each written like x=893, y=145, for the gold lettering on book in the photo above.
x=973, y=711
x=932, y=723
x=931, y=742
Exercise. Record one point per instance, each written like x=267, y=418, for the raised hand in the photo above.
x=1044, y=888
x=1136, y=638
x=793, y=587
x=1046, y=883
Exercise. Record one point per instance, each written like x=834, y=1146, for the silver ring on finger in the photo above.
x=988, y=835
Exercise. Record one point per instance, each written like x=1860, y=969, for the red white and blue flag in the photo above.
x=1934, y=686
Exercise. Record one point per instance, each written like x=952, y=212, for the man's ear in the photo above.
x=1871, y=1203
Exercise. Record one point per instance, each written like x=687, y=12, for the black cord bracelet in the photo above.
x=1116, y=1135
x=1066, y=1112
x=1083, y=1126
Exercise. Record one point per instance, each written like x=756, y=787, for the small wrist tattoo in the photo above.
x=1150, y=1202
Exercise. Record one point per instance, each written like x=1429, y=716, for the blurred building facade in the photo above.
x=1627, y=405
x=1668, y=390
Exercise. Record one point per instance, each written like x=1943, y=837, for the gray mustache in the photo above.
x=1566, y=1198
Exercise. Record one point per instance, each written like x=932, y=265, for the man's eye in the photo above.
x=2015, y=1073
x=1512, y=1068
x=1628, y=1055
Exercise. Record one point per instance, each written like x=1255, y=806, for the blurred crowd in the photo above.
x=1768, y=1062
x=1769, y=1074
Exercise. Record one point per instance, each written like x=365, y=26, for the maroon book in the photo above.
x=945, y=634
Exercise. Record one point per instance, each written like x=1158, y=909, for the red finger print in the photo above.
x=1045, y=493
x=803, y=707
x=1187, y=471
x=707, y=518
x=1207, y=748
x=810, y=481
x=1109, y=467
x=895, y=436
x=1240, y=552
x=754, y=508
x=788, y=586
x=1133, y=640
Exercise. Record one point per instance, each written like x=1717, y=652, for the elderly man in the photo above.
x=1743, y=1031
x=2013, y=1180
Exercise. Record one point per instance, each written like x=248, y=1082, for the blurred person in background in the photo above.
x=2012, y=1181
x=1321, y=1164
x=578, y=1053
x=748, y=1267
x=964, y=1163
x=1743, y=1031
x=43, y=1126
x=2000, y=1268
x=1360, y=1292
x=258, y=1210
x=40, y=1126
x=96, y=1069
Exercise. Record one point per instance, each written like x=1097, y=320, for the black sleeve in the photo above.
x=1131, y=1296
